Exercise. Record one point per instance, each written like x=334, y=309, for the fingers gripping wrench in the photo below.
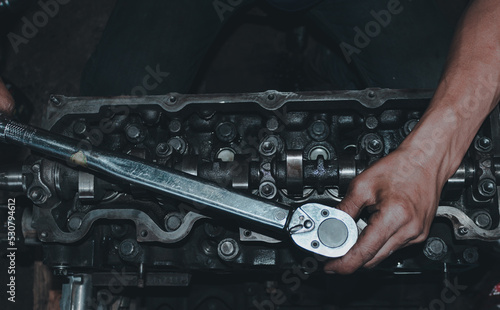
x=317, y=228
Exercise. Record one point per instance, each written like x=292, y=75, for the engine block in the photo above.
x=292, y=148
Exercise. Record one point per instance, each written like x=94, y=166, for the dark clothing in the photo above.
x=293, y=5
x=390, y=43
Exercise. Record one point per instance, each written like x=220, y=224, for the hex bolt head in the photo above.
x=173, y=222
x=267, y=148
x=267, y=190
x=372, y=143
x=482, y=220
x=226, y=132
x=483, y=144
x=487, y=188
x=128, y=248
x=37, y=195
x=163, y=150
x=228, y=249
x=135, y=133
x=319, y=130
x=435, y=248
x=374, y=146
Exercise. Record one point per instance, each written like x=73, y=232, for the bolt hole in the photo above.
x=315, y=244
x=308, y=224
x=247, y=233
x=325, y=213
x=144, y=233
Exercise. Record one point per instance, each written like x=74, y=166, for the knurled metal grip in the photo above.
x=10, y=130
x=323, y=230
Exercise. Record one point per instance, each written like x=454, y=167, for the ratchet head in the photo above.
x=323, y=230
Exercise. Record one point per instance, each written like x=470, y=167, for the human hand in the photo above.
x=402, y=195
x=6, y=100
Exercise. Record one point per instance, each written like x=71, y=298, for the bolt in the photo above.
x=271, y=97
x=206, y=114
x=175, y=126
x=487, y=188
x=267, y=148
x=44, y=234
x=173, y=222
x=371, y=122
x=171, y=100
x=482, y=220
x=163, y=149
x=79, y=127
x=226, y=131
x=374, y=146
x=483, y=144
x=435, y=248
x=470, y=255
x=208, y=247
x=463, y=231
x=371, y=94
x=54, y=100
x=228, y=249
x=178, y=144
x=267, y=190
x=272, y=124
x=35, y=168
x=409, y=125
x=127, y=247
x=37, y=195
x=133, y=132
x=74, y=223
x=318, y=130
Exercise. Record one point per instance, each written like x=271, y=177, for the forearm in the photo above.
x=467, y=93
x=6, y=101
